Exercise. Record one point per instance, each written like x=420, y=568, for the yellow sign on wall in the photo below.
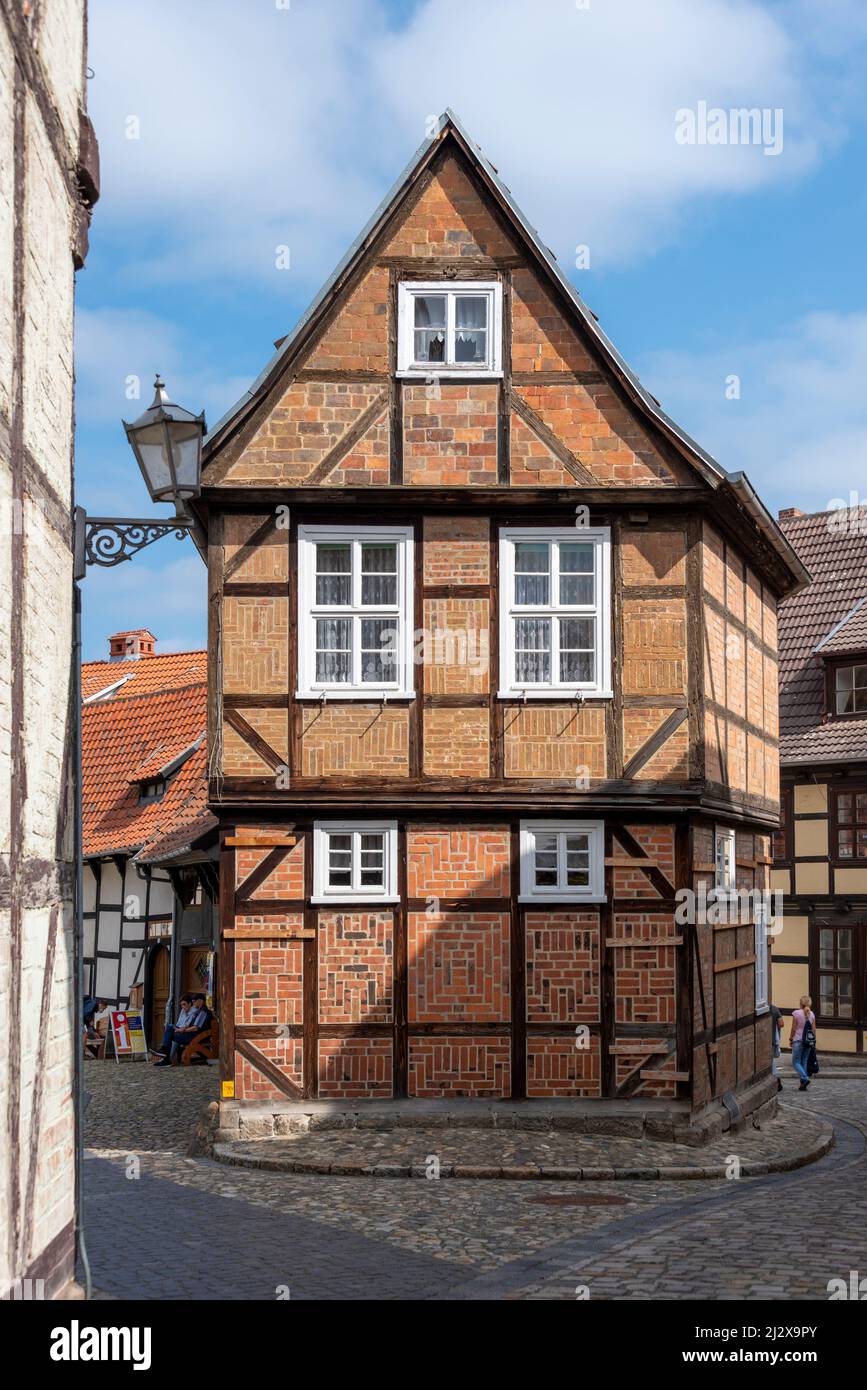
x=228, y=1090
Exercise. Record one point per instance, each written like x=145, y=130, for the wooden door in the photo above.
x=160, y=977
x=194, y=970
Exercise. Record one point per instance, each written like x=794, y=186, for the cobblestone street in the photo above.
x=199, y=1229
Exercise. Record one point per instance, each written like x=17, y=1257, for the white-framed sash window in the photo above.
x=355, y=605
x=562, y=861
x=555, y=612
x=449, y=328
x=354, y=861
x=725, y=860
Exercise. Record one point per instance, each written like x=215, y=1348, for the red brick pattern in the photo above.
x=458, y=967
x=285, y=1053
x=457, y=550
x=450, y=435
x=653, y=557
x=305, y=424
x=285, y=881
x=456, y=646
x=531, y=463
x=658, y=1087
x=630, y=880
x=240, y=758
x=450, y=219
x=356, y=957
x=644, y=974
x=457, y=743
x=558, y=1069
x=355, y=1068
x=542, y=340
x=357, y=338
x=358, y=739
x=454, y=1066
x=269, y=976
x=596, y=427
x=562, y=967
x=268, y=562
x=450, y=863
x=654, y=646
x=554, y=741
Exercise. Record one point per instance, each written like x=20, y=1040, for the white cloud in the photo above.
x=262, y=126
x=799, y=428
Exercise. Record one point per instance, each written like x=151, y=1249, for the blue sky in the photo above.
x=229, y=128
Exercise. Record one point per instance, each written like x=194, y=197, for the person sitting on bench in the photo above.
x=184, y=1020
x=199, y=1020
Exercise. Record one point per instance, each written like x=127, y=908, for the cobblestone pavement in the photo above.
x=194, y=1228
x=487, y=1154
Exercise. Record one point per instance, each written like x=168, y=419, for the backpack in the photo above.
x=808, y=1037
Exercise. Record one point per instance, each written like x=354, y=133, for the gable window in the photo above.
x=851, y=821
x=562, y=861
x=354, y=611
x=355, y=861
x=850, y=690
x=153, y=789
x=555, y=614
x=724, y=859
x=449, y=329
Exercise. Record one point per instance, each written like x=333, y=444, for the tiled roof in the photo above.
x=152, y=719
x=826, y=615
x=850, y=635
x=146, y=674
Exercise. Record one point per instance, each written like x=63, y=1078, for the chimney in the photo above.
x=788, y=512
x=131, y=646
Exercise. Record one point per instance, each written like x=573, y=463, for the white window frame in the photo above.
x=323, y=893
x=593, y=893
x=406, y=294
x=600, y=687
x=309, y=611
x=760, y=929
x=725, y=833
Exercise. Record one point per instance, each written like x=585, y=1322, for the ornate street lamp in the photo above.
x=167, y=443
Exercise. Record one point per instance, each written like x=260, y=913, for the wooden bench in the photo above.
x=205, y=1045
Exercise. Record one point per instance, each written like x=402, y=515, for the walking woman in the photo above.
x=802, y=1038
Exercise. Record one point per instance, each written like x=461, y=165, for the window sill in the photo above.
x=373, y=695
x=361, y=900
x=572, y=898
x=431, y=378
x=555, y=694
x=762, y=1009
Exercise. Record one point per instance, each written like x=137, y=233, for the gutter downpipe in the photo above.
x=78, y=945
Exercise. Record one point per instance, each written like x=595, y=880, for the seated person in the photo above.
x=185, y=1015
x=95, y=1026
x=198, y=1021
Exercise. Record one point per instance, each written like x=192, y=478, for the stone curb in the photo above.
x=227, y=1153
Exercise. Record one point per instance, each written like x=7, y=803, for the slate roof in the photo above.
x=157, y=716
x=828, y=618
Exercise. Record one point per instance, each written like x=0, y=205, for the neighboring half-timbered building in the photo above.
x=493, y=675
x=150, y=877
x=820, y=850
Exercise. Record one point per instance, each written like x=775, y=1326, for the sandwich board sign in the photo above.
x=127, y=1031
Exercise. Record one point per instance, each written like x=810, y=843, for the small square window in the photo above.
x=450, y=330
x=562, y=861
x=355, y=862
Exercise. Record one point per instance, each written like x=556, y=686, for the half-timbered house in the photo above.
x=150, y=868
x=820, y=849
x=493, y=676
